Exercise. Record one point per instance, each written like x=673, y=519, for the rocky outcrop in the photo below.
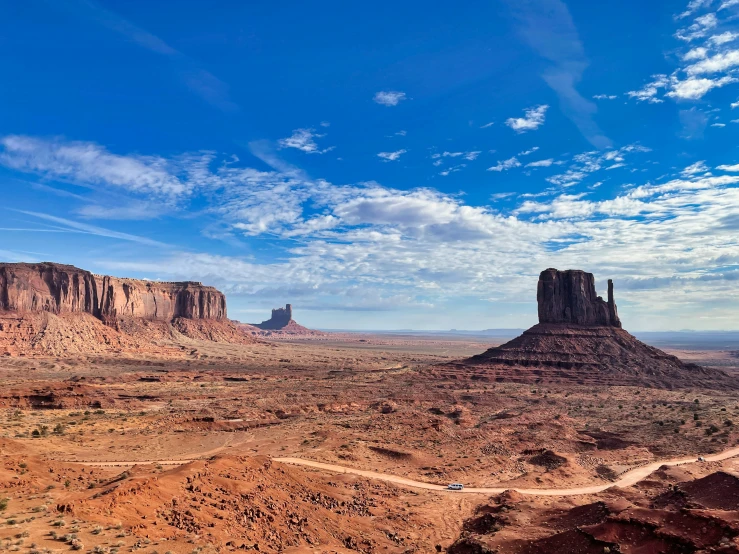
x=579, y=339
x=569, y=297
x=59, y=289
x=280, y=319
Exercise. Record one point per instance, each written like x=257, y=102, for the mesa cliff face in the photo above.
x=569, y=297
x=59, y=289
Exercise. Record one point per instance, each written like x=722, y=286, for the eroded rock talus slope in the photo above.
x=57, y=309
x=579, y=338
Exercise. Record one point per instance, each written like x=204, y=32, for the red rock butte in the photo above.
x=281, y=318
x=579, y=339
x=55, y=309
x=59, y=289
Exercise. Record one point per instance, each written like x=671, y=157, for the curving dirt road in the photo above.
x=627, y=479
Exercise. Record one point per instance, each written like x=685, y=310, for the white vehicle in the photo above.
x=701, y=459
x=455, y=486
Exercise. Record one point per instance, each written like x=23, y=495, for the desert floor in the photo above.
x=125, y=453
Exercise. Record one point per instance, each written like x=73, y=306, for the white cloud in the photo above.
x=389, y=97
x=487, y=125
x=364, y=246
x=723, y=38
x=304, y=140
x=734, y=167
x=541, y=163
x=718, y=124
x=470, y=156
x=699, y=28
x=693, y=6
x=533, y=119
x=715, y=64
x=649, y=92
x=605, y=96
x=694, y=169
x=391, y=156
x=452, y=169
x=728, y=4
x=505, y=165
x=698, y=53
x=90, y=164
x=590, y=162
x=529, y=151
x=695, y=88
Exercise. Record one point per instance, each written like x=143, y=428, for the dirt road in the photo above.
x=625, y=480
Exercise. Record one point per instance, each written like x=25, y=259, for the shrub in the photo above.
x=4, y=504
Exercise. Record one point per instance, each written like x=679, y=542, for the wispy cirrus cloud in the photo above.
x=541, y=163
x=90, y=164
x=200, y=81
x=69, y=225
x=548, y=28
x=588, y=163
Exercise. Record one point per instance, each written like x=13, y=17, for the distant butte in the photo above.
x=281, y=323
x=579, y=338
x=281, y=318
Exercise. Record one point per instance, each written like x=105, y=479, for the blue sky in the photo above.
x=382, y=166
